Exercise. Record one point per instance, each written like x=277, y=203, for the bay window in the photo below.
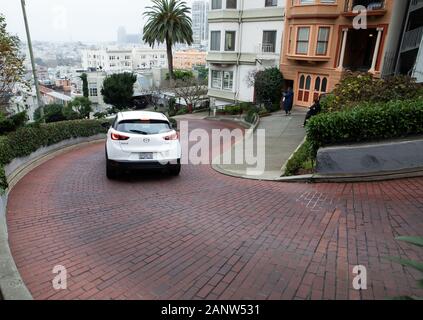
x=303, y=35
x=222, y=80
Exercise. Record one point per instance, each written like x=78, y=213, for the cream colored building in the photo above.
x=244, y=36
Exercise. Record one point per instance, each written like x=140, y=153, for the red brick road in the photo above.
x=207, y=236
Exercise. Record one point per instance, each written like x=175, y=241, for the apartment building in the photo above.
x=188, y=59
x=108, y=59
x=116, y=60
x=321, y=42
x=147, y=58
x=244, y=36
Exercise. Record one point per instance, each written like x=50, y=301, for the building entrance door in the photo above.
x=310, y=87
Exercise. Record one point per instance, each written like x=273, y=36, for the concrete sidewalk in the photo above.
x=282, y=136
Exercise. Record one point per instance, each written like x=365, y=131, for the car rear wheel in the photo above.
x=111, y=172
x=175, y=170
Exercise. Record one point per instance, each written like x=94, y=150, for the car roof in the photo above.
x=134, y=115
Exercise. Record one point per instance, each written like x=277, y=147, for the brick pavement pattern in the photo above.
x=207, y=236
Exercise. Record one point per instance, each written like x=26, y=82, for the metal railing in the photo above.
x=370, y=5
x=266, y=48
x=412, y=39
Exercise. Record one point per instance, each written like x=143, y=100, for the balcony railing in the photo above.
x=412, y=39
x=370, y=5
x=266, y=49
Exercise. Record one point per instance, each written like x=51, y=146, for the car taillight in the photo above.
x=171, y=137
x=119, y=137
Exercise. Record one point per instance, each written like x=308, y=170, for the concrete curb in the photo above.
x=251, y=129
x=283, y=169
x=12, y=286
x=315, y=178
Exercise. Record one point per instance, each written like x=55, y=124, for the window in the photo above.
x=93, y=91
x=230, y=4
x=222, y=80
x=127, y=57
x=228, y=80
x=269, y=41
x=306, y=1
x=149, y=127
x=215, y=41
x=216, y=4
x=324, y=85
x=230, y=41
x=271, y=3
x=302, y=40
x=322, y=41
x=216, y=79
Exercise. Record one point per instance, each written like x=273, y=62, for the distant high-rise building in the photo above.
x=199, y=21
x=121, y=35
x=125, y=38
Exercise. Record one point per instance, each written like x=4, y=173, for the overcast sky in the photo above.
x=75, y=20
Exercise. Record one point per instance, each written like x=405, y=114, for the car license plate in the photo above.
x=146, y=156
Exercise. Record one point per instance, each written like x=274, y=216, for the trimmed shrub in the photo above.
x=28, y=139
x=12, y=123
x=173, y=122
x=246, y=106
x=52, y=113
x=366, y=122
x=182, y=111
x=268, y=85
x=251, y=116
x=233, y=110
x=301, y=159
x=356, y=87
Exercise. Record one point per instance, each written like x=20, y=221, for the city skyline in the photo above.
x=76, y=20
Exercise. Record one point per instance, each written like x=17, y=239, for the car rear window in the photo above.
x=144, y=127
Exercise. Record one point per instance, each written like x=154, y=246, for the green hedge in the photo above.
x=28, y=139
x=366, y=122
x=301, y=159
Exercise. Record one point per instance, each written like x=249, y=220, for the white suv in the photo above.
x=142, y=140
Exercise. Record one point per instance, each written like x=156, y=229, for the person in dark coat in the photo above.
x=313, y=111
x=288, y=101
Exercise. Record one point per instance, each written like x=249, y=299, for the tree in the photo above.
x=52, y=113
x=268, y=85
x=79, y=108
x=118, y=90
x=84, y=79
x=191, y=90
x=168, y=22
x=153, y=97
x=11, y=65
x=181, y=75
x=203, y=72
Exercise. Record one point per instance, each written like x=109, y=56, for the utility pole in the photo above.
x=31, y=54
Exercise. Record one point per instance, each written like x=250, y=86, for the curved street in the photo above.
x=204, y=235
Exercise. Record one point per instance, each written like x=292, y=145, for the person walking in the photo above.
x=288, y=101
x=313, y=111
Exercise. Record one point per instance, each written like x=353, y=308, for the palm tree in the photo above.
x=168, y=22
